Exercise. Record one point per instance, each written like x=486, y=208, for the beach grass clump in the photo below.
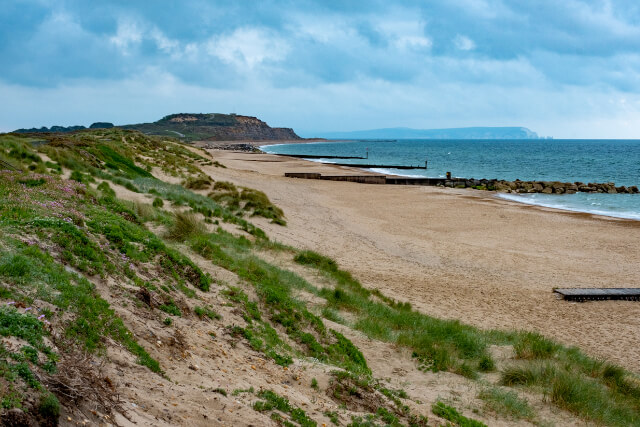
x=225, y=186
x=170, y=307
x=185, y=225
x=259, y=204
x=531, y=345
x=206, y=312
x=206, y=206
x=486, y=364
x=199, y=182
x=530, y=374
x=330, y=267
x=506, y=403
x=449, y=413
x=246, y=200
x=263, y=338
x=569, y=389
x=591, y=400
x=273, y=401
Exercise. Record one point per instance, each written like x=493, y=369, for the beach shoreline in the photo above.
x=460, y=254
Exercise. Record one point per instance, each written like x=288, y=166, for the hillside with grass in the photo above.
x=214, y=127
x=138, y=286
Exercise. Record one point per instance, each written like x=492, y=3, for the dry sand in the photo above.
x=461, y=254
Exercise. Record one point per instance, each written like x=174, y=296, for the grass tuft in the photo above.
x=507, y=404
x=451, y=414
x=531, y=345
x=185, y=225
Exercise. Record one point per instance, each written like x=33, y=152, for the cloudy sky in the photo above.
x=566, y=68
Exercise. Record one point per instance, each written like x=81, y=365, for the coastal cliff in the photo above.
x=214, y=127
x=194, y=127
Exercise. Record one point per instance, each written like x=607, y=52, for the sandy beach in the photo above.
x=461, y=254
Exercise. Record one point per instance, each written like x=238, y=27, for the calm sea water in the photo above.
x=545, y=160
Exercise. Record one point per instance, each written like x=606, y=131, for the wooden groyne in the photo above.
x=416, y=181
x=517, y=186
x=364, y=166
x=309, y=156
x=599, y=294
x=362, y=179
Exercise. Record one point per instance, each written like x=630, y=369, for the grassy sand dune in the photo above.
x=140, y=283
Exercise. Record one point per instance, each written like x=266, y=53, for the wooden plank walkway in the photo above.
x=599, y=294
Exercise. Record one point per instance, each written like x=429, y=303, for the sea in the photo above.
x=528, y=160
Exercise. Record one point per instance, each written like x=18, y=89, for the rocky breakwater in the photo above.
x=545, y=187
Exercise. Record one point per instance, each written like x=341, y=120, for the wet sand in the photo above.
x=461, y=254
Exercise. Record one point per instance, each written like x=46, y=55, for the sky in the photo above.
x=567, y=69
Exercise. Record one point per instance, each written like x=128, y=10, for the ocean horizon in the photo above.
x=565, y=160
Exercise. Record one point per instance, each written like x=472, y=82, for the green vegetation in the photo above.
x=274, y=289
x=534, y=346
x=170, y=307
x=49, y=408
x=506, y=403
x=247, y=200
x=200, y=182
x=451, y=414
x=185, y=225
x=220, y=391
x=333, y=417
x=203, y=312
x=206, y=126
x=238, y=391
x=575, y=382
x=274, y=401
x=60, y=237
x=612, y=400
x=181, y=196
x=437, y=344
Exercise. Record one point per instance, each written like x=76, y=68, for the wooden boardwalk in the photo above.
x=599, y=294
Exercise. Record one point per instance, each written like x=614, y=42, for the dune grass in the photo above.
x=589, y=388
x=274, y=287
x=185, y=225
x=506, y=403
x=246, y=200
x=97, y=235
x=449, y=413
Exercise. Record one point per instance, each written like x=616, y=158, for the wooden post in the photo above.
x=426, y=163
x=448, y=175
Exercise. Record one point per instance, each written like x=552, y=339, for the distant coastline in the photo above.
x=478, y=132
